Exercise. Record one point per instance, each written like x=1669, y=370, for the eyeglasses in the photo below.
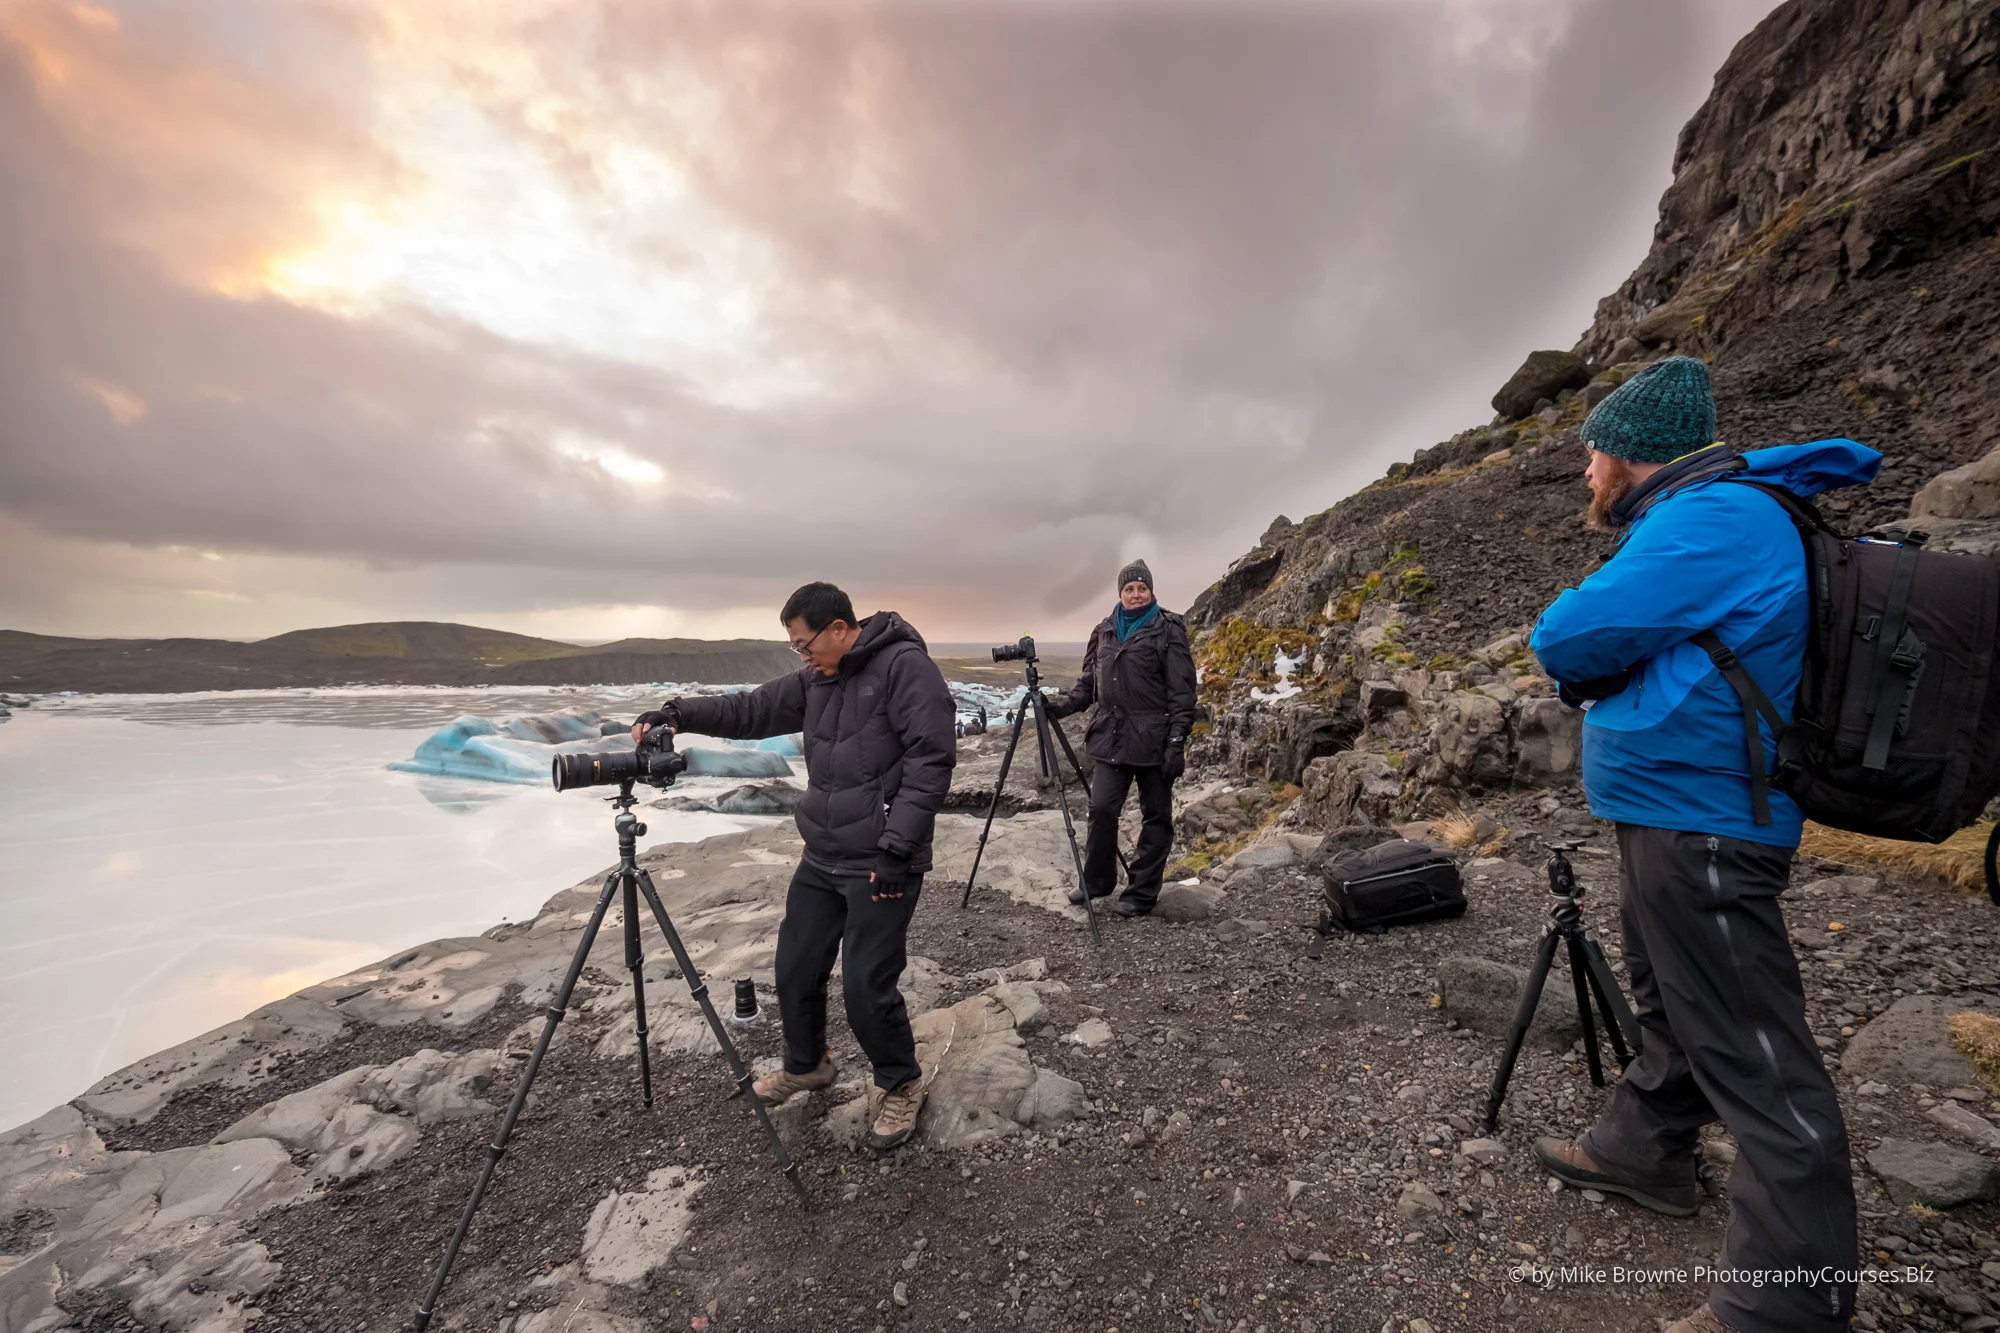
x=805, y=649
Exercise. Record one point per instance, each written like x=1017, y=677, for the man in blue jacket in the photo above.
x=1714, y=981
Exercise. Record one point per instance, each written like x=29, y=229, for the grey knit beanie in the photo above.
x=1136, y=572
x=1661, y=413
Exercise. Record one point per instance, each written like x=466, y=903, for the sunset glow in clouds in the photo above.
x=594, y=319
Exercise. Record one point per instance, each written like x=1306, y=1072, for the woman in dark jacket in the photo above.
x=1139, y=676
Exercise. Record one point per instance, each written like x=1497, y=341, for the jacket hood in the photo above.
x=1809, y=469
x=878, y=632
x=1803, y=469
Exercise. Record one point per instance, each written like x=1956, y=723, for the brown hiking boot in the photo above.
x=896, y=1117
x=1703, y=1320
x=1567, y=1162
x=778, y=1087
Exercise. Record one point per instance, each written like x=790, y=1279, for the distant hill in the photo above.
x=391, y=653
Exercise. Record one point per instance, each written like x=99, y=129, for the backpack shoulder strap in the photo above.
x=1804, y=513
x=1755, y=702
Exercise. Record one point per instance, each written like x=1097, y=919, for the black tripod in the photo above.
x=631, y=881
x=1587, y=969
x=1025, y=652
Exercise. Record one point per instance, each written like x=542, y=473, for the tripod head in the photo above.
x=1024, y=653
x=630, y=830
x=1562, y=875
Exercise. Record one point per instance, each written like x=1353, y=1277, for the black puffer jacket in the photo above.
x=879, y=745
x=1143, y=690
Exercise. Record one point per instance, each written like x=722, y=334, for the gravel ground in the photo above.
x=1259, y=1115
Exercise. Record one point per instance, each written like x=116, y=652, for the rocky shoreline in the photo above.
x=1201, y=1125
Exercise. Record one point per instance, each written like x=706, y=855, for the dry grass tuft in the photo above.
x=1959, y=860
x=1977, y=1037
x=1460, y=832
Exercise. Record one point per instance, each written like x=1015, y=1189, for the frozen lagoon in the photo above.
x=170, y=862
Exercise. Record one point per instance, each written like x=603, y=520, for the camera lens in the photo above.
x=570, y=771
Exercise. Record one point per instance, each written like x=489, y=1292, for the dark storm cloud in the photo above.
x=1105, y=277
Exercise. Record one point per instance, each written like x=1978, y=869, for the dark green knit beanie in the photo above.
x=1661, y=413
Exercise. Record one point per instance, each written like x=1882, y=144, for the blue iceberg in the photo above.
x=519, y=749
x=514, y=749
x=735, y=762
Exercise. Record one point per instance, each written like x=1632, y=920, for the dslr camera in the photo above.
x=654, y=761
x=1024, y=651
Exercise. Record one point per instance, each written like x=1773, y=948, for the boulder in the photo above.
x=1543, y=375
x=1020, y=1000
x=1248, y=869
x=1548, y=742
x=1908, y=1043
x=1975, y=1129
x=1972, y=491
x=1472, y=741
x=1481, y=994
x=982, y=1083
x=1182, y=903
x=1936, y=1175
x=1282, y=530
x=1354, y=786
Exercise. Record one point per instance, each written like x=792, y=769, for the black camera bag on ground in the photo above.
x=1394, y=884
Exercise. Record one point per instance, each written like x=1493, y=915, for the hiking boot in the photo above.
x=1131, y=907
x=1703, y=1320
x=1076, y=897
x=779, y=1086
x=1566, y=1161
x=896, y=1116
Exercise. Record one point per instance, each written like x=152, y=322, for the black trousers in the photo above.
x=1109, y=784
x=1717, y=992
x=827, y=915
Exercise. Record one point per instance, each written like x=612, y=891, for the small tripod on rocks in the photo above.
x=1588, y=971
x=631, y=881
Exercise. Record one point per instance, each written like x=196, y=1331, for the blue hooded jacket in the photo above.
x=1667, y=751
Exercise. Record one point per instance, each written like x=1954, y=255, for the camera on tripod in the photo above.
x=653, y=761
x=1024, y=651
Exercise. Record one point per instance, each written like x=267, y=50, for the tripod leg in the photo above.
x=1579, y=975
x=993, y=807
x=1618, y=1018
x=1042, y=729
x=499, y=1144
x=1531, y=996
x=635, y=963
x=698, y=988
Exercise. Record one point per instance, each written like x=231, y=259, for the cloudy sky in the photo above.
x=625, y=317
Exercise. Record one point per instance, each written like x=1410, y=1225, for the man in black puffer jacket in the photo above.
x=880, y=746
x=1139, y=674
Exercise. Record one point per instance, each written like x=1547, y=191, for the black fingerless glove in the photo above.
x=1578, y=693
x=669, y=716
x=890, y=872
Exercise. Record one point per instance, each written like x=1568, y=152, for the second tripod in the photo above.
x=1024, y=652
x=1590, y=974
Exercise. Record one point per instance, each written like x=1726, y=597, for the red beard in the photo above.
x=1604, y=499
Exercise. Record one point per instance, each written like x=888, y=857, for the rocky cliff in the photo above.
x=1828, y=244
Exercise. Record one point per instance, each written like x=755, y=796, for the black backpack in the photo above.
x=1895, y=732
